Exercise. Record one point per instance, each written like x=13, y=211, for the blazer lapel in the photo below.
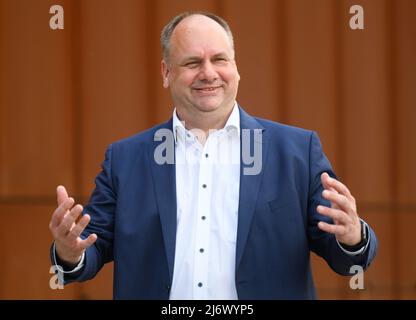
x=249, y=184
x=164, y=179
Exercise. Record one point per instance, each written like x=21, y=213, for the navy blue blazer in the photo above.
x=133, y=211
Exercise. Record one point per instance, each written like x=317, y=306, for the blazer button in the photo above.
x=167, y=288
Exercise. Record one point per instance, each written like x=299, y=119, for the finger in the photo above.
x=329, y=183
x=89, y=241
x=325, y=184
x=77, y=229
x=338, y=216
x=340, y=201
x=324, y=180
x=61, y=194
x=60, y=212
x=69, y=219
x=331, y=228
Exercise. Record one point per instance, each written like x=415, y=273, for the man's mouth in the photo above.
x=206, y=89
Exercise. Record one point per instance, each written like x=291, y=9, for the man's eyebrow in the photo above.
x=220, y=55
x=191, y=58
x=198, y=59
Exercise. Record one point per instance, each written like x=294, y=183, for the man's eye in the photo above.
x=191, y=64
x=220, y=60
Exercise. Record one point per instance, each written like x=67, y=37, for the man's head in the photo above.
x=170, y=27
x=198, y=63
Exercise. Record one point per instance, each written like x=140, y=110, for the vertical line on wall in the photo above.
x=152, y=41
x=391, y=87
x=2, y=107
x=338, y=40
x=339, y=21
x=3, y=188
x=77, y=119
x=76, y=83
x=282, y=65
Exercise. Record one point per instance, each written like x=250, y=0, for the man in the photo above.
x=203, y=224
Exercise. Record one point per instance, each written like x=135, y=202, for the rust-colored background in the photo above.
x=66, y=94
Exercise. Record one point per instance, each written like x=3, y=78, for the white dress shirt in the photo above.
x=207, y=193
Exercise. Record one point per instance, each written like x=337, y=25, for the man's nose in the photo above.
x=208, y=72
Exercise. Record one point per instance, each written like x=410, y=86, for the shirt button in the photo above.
x=200, y=284
x=206, y=155
x=201, y=250
x=204, y=186
x=203, y=217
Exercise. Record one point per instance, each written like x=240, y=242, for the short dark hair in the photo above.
x=170, y=27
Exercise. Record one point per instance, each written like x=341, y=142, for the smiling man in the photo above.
x=199, y=228
x=200, y=70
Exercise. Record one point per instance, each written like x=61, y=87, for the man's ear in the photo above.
x=165, y=74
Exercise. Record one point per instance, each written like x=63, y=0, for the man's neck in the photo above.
x=204, y=121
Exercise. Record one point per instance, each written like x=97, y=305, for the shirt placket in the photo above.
x=201, y=249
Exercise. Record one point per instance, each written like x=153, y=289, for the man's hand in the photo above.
x=66, y=230
x=343, y=211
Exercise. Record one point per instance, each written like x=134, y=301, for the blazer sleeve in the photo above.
x=102, y=209
x=322, y=243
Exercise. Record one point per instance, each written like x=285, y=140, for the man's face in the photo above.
x=201, y=71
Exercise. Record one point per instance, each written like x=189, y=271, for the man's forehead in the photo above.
x=198, y=20
x=198, y=24
x=198, y=36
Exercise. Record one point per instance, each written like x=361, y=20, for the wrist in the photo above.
x=68, y=263
x=363, y=239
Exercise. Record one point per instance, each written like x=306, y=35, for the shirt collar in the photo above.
x=233, y=123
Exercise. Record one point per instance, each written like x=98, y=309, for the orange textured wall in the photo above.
x=66, y=94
